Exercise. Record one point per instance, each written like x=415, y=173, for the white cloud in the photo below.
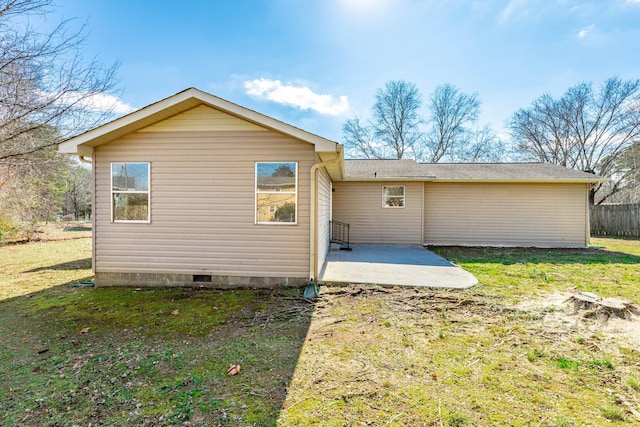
x=100, y=102
x=296, y=96
x=512, y=9
x=366, y=7
x=586, y=31
x=633, y=1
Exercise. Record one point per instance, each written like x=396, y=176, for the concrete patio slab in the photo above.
x=403, y=265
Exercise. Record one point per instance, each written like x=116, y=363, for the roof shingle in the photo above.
x=411, y=170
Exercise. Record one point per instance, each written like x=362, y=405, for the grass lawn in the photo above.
x=502, y=353
x=609, y=268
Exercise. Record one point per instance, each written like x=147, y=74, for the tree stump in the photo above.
x=602, y=308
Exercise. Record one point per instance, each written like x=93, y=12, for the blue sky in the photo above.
x=316, y=63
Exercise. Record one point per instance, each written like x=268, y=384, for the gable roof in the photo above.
x=84, y=143
x=408, y=170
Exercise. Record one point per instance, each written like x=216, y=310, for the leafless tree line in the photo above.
x=397, y=129
x=587, y=129
x=596, y=130
x=48, y=92
x=47, y=88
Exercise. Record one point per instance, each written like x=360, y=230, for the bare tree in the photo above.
x=626, y=167
x=33, y=193
x=451, y=112
x=359, y=140
x=484, y=146
x=48, y=92
x=394, y=130
x=584, y=129
x=453, y=133
x=77, y=191
x=44, y=82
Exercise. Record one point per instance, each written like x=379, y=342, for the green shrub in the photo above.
x=633, y=383
x=6, y=227
x=564, y=363
x=456, y=420
x=613, y=413
x=532, y=356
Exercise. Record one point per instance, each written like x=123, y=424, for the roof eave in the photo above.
x=530, y=181
x=333, y=162
x=476, y=180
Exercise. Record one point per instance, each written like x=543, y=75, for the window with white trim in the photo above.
x=276, y=192
x=393, y=196
x=130, y=196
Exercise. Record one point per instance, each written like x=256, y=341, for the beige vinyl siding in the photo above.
x=324, y=216
x=360, y=205
x=202, y=118
x=496, y=214
x=202, y=206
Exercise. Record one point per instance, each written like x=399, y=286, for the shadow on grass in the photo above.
x=509, y=256
x=76, y=264
x=117, y=356
x=77, y=228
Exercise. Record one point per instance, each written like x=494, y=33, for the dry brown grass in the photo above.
x=430, y=358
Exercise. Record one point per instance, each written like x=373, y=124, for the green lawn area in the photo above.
x=610, y=268
x=360, y=355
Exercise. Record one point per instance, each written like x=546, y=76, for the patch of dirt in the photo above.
x=558, y=310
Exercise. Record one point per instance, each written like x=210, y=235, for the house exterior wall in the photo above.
x=324, y=216
x=360, y=205
x=202, y=118
x=202, y=216
x=510, y=214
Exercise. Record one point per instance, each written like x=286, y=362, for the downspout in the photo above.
x=94, y=230
x=587, y=233
x=313, y=226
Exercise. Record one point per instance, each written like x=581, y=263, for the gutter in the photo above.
x=313, y=220
x=481, y=181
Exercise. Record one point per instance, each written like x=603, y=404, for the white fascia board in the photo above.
x=188, y=98
x=495, y=181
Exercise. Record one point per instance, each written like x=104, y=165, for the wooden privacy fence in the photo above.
x=615, y=220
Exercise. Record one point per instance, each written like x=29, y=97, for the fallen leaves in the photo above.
x=233, y=370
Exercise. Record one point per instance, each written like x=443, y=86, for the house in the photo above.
x=197, y=189
x=470, y=204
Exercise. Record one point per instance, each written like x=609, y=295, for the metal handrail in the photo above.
x=340, y=233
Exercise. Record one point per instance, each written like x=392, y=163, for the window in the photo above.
x=276, y=192
x=393, y=196
x=130, y=192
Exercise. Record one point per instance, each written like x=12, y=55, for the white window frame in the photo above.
x=277, y=191
x=385, y=198
x=147, y=192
